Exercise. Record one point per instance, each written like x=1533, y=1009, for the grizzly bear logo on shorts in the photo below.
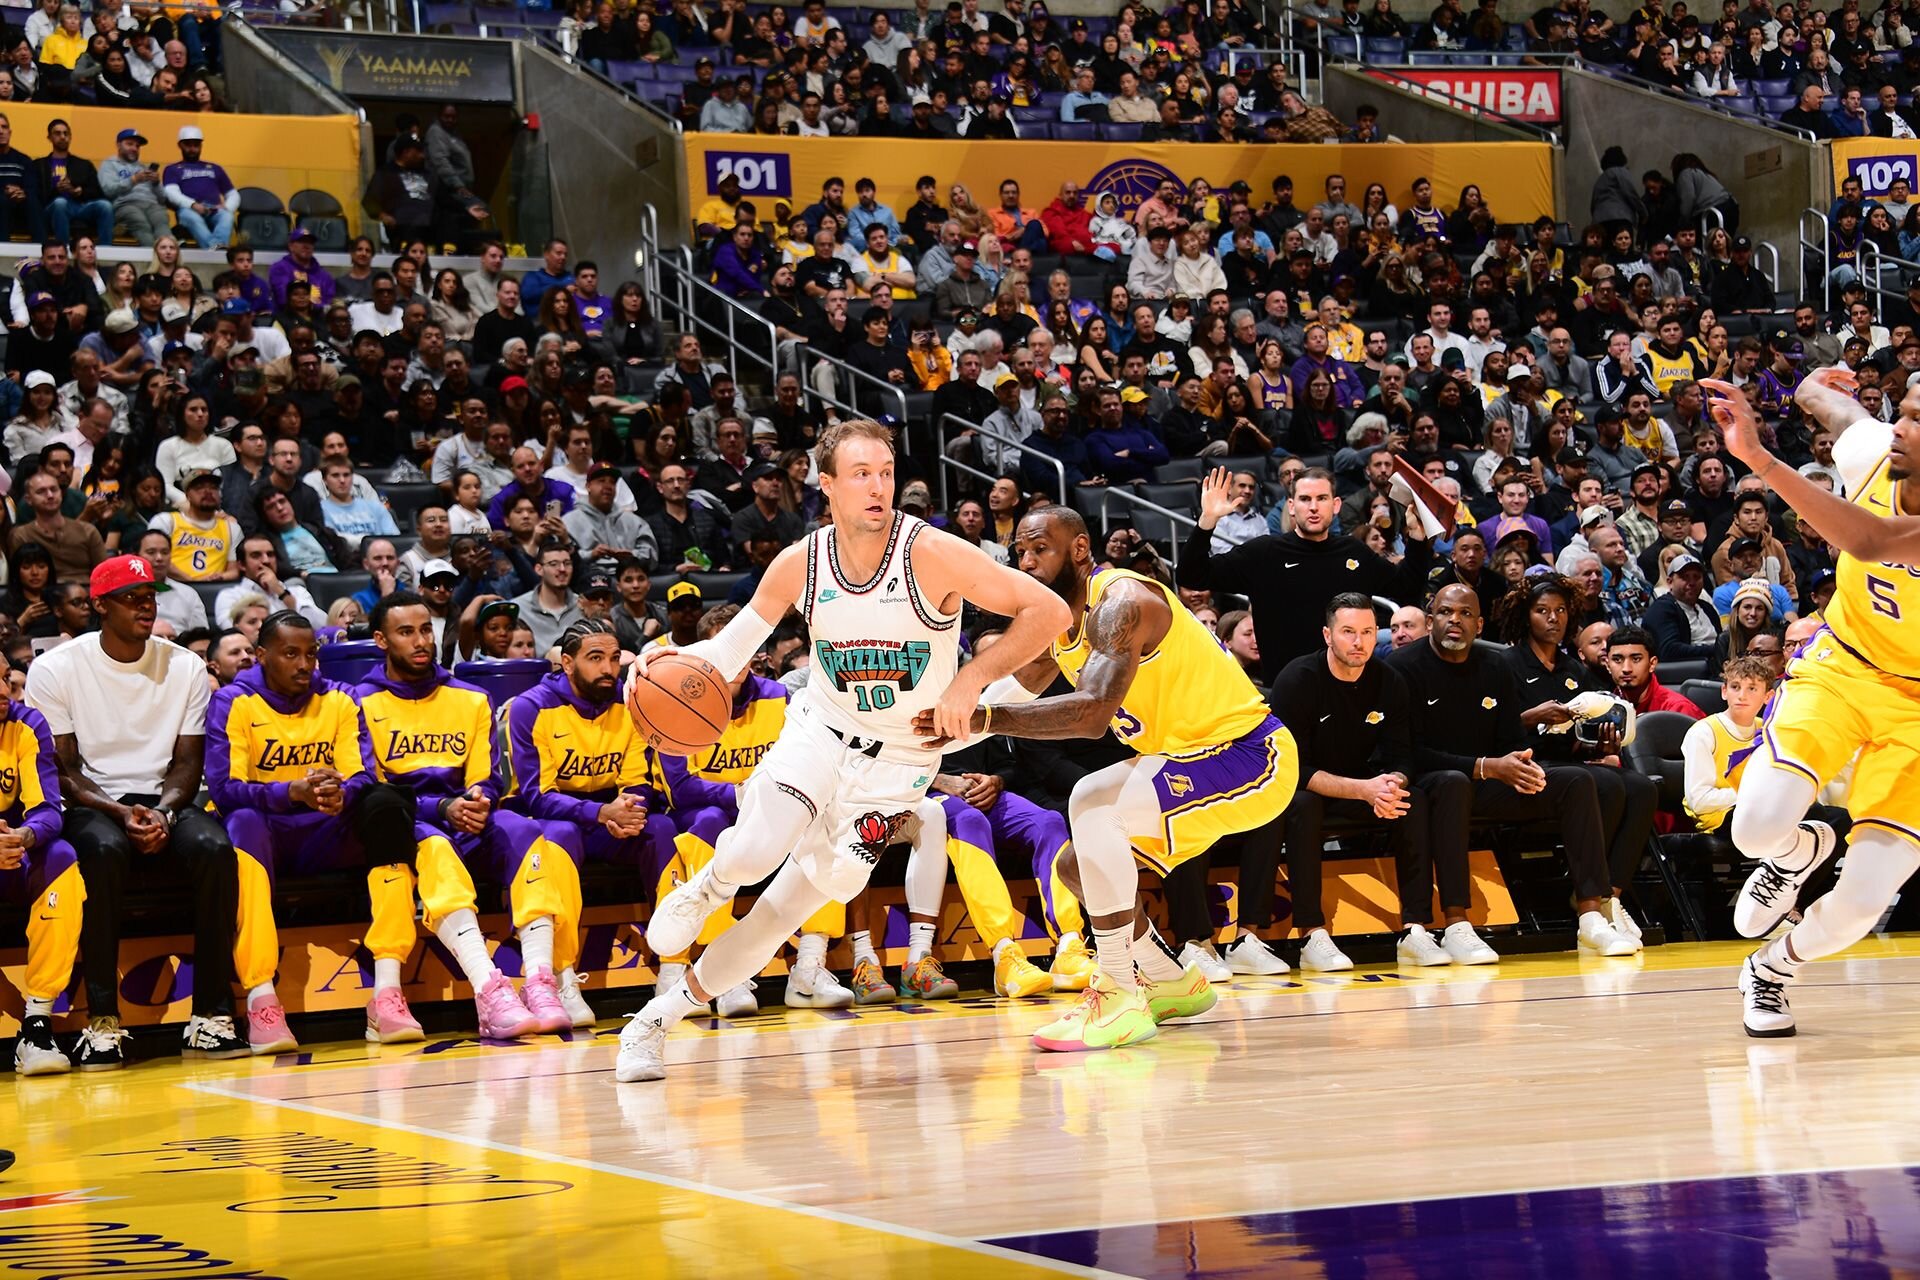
x=873, y=832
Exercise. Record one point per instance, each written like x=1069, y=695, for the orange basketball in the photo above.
x=681, y=705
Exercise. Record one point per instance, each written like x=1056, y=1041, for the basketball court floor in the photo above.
x=1557, y=1117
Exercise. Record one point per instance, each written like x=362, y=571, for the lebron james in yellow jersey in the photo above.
x=1212, y=761
x=1852, y=692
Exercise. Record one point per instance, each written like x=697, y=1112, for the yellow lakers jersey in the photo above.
x=1667, y=370
x=749, y=736
x=1730, y=755
x=201, y=553
x=1188, y=695
x=1876, y=607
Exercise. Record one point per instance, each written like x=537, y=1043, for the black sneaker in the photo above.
x=34, y=1053
x=101, y=1046
x=212, y=1037
x=6, y=1161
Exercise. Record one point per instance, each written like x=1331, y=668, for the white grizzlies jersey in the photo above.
x=882, y=652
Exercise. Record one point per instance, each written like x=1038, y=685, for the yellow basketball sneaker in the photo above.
x=1073, y=966
x=1187, y=996
x=1015, y=976
x=1104, y=1018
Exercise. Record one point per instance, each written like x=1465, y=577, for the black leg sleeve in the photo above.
x=1306, y=823
x=1186, y=888
x=1627, y=844
x=104, y=856
x=382, y=819
x=200, y=843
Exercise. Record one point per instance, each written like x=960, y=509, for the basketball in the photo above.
x=681, y=705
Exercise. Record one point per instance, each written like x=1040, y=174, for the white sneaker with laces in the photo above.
x=1250, y=956
x=643, y=1050
x=574, y=1002
x=813, y=986
x=1622, y=922
x=1763, y=991
x=1770, y=893
x=35, y=1053
x=1596, y=934
x=1203, y=955
x=1464, y=946
x=1321, y=956
x=212, y=1039
x=1419, y=948
x=675, y=923
x=738, y=1002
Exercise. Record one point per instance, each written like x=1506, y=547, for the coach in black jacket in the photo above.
x=1288, y=578
x=1466, y=709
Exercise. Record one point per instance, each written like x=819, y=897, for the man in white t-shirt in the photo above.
x=128, y=714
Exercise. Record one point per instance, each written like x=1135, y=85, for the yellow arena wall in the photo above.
x=1515, y=177
x=324, y=967
x=1877, y=162
x=283, y=154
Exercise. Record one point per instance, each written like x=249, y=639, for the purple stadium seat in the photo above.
x=1385, y=49
x=629, y=72
x=446, y=14
x=1131, y=132
x=1078, y=131
x=1773, y=88
x=501, y=680
x=351, y=661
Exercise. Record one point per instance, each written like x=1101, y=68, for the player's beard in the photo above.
x=600, y=692
x=1066, y=583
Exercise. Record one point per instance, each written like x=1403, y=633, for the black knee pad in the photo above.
x=383, y=823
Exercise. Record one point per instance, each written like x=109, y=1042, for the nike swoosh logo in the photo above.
x=1533, y=679
x=535, y=879
x=391, y=880
x=558, y=736
x=49, y=917
x=1431, y=701
x=1291, y=564
x=1325, y=718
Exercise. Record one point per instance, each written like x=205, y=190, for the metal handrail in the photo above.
x=1874, y=262
x=1815, y=250
x=940, y=443
x=1175, y=518
x=805, y=354
x=693, y=299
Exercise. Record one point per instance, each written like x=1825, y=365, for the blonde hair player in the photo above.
x=1212, y=761
x=1854, y=686
x=881, y=593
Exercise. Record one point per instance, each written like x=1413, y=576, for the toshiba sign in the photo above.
x=1531, y=96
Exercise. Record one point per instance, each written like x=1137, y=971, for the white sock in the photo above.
x=39, y=1008
x=260, y=994
x=386, y=975
x=671, y=1005
x=1155, y=959
x=1801, y=856
x=536, y=946
x=1777, y=957
x=460, y=934
x=1114, y=950
x=919, y=940
x=1065, y=938
x=811, y=953
x=863, y=947
x=1000, y=946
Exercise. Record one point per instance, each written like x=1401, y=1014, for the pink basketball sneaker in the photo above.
x=502, y=1016
x=541, y=994
x=389, y=1021
x=267, y=1029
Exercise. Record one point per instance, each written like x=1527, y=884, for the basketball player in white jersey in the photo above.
x=881, y=593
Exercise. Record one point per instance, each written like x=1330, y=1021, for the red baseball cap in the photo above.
x=120, y=573
x=515, y=383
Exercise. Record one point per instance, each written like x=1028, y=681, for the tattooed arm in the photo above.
x=1130, y=620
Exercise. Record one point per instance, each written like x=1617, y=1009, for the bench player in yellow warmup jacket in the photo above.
x=38, y=866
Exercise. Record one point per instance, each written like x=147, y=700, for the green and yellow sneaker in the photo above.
x=1187, y=996
x=1103, y=1018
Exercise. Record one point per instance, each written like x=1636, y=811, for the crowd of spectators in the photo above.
x=113, y=53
